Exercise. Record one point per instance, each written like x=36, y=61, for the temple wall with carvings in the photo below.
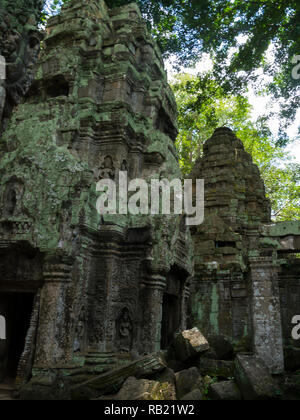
x=99, y=104
x=97, y=291
x=246, y=284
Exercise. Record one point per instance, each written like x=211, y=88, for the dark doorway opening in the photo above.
x=171, y=319
x=17, y=309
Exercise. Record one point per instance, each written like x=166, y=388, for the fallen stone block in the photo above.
x=186, y=381
x=222, y=347
x=145, y=389
x=254, y=379
x=193, y=396
x=222, y=369
x=224, y=391
x=112, y=381
x=168, y=381
x=173, y=364
x=189, y=344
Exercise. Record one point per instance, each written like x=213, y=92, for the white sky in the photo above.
x=259, y=104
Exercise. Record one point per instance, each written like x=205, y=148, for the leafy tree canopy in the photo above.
x=204, y=106
x=238, y=34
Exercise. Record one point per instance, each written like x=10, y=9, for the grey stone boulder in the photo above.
x=189, y=344
x=224, y=391
x=254, y=379
x=112, y=381
x=221, y=347
x=167, y=380
x=222, y=369
x=186, y=381
x=193, y=396
x=211, y=354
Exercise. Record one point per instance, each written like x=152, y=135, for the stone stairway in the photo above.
x=96, y=363
x=100, y=362
x=111, y=381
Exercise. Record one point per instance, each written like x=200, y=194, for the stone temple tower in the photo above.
x=75, y=283
x=236, y=288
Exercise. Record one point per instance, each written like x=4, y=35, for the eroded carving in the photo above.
x=107, y=170
x=124, y=331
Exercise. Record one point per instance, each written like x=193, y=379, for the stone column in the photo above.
x=154, y=287
x=266, y=313
x=185, y=304
x=26, y=360
x=54, y=341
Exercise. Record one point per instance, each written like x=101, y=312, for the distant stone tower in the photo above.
x=93, y=285
x=235, y=201
x=236, y=290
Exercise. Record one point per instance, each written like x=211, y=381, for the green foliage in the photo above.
x=52, y=7
x=237, y=34
x=204, y=106
x=283, y=188
x=208, y=381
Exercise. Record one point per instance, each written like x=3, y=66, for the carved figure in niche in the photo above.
x=65, y=221
x=147, y=53
x=107, y=169
x=12, y=197
x=11, y=202
x=80, y=329
x=124, y=328
x=124, y=166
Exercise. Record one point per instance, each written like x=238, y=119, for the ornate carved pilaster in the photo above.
x=185, y=304
x=154, y=286
x=27, y=358
x=266, y=313
x=54, y=334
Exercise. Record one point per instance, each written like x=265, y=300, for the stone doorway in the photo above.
x=16, y=309
x=171, y=319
